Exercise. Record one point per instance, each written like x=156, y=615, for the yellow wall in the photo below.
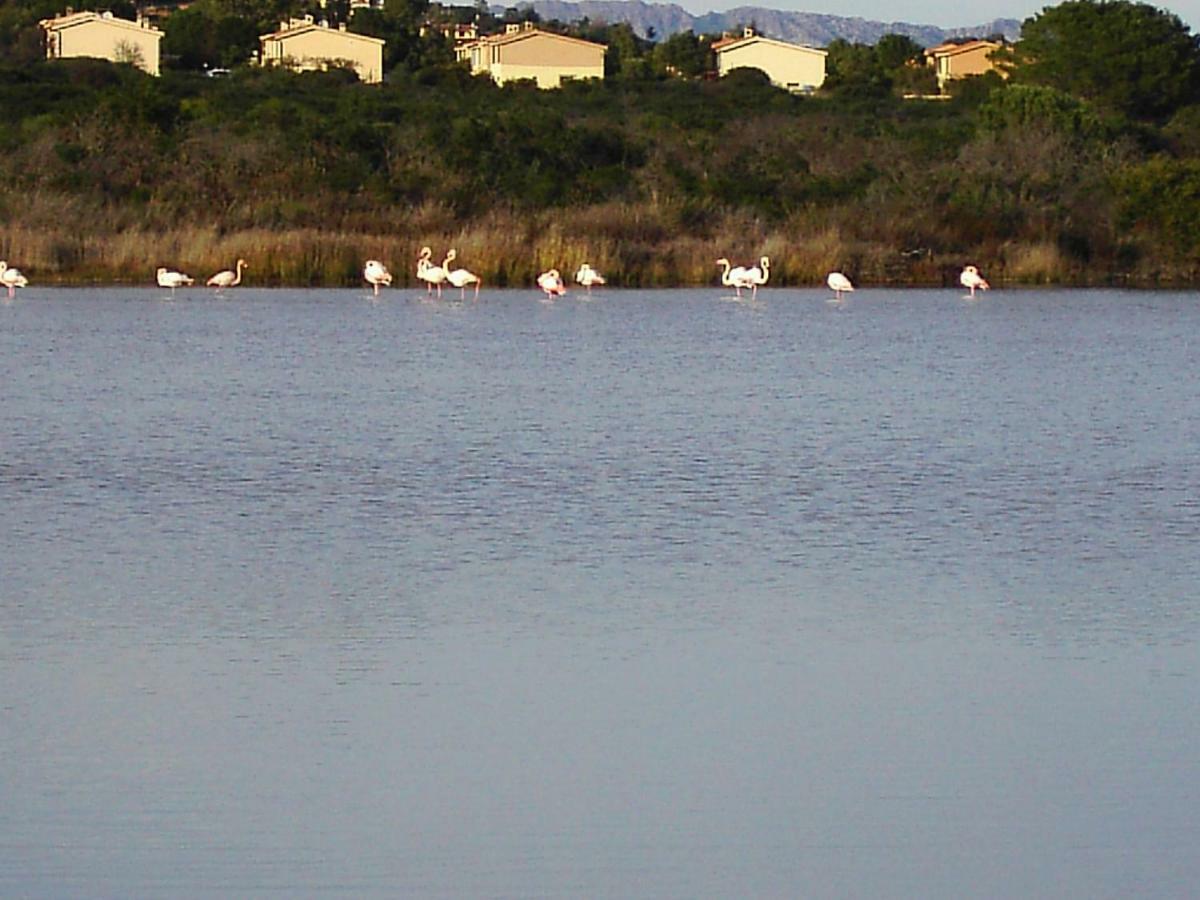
x=972, y=62
x=111, y=39
x=790, y=67
x=316, y=48
x=962, y=65
x=542, y=58
x=541, y=50
x=545, y=77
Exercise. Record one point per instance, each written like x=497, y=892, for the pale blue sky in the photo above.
x=946, y=13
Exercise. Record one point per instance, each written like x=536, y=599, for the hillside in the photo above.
x=814, y=29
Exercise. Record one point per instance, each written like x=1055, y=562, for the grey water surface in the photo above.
x=656, y=594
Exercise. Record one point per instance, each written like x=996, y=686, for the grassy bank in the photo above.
x=510, y=252
x=106, y=173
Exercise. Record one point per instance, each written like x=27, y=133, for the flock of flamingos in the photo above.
x=376, y=274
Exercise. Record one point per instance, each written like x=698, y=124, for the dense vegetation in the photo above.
x=106, y=172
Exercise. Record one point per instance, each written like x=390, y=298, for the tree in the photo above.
x=1025, y=108
x=400, y=24
x=190, y=39
x=126, y=52
x=896, y=50
x=683, y=54
x=853, y=70
x=1130, y=57
x=625, y=58
x=210, y=34
x=903, y=61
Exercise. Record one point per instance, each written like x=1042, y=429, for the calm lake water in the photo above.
x=652, y=595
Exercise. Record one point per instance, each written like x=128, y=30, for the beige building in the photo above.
x=953, y=61
x=524, y=52
x=789, y=66
x=102, y=36
x=304, y=45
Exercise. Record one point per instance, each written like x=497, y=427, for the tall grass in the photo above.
x=647, y=244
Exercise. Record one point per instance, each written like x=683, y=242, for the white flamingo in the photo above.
x=169, y=278
x=460, y=278
x=429, y=273
x=587, y=276
x=839, y=284
x=375, y=273
x=552, y=284
x=11, y=279
x=227, y=279
x=735, y=277
x=970, y=278
x=759, y=274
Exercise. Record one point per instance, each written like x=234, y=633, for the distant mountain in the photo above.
x=814, y=29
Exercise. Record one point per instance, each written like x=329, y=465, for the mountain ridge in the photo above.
x=814, y=29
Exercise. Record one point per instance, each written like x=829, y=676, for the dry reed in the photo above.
x=643, y=245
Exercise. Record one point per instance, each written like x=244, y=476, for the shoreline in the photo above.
x=513, y=257
x=572, y=287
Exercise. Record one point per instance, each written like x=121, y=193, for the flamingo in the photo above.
x=587, y=276
x=429, y=273
x=970, y=278
x=552, y=284
x=759, y=274
x=839, y=284
x=375, y=273
x=11, y=279
x=170, y=279
x=227, y=278
x=460, y=278
x=736, y=277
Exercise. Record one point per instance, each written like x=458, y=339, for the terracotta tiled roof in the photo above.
x=492, y=40
x=294, y=30
x=734, y=42
x=82, y=18
x=955, y=49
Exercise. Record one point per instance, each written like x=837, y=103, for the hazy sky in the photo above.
x=946, y=13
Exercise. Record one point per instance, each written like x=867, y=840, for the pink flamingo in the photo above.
x=587, y=276
x=227, y=278
x=970, y=278
x=429, y=273
x=460, y=278
x=839, y=284
x=375, y=273
x=552, y=284
x=11, y=279
x=759, y=274
x=736, y=277
x=170, y=279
